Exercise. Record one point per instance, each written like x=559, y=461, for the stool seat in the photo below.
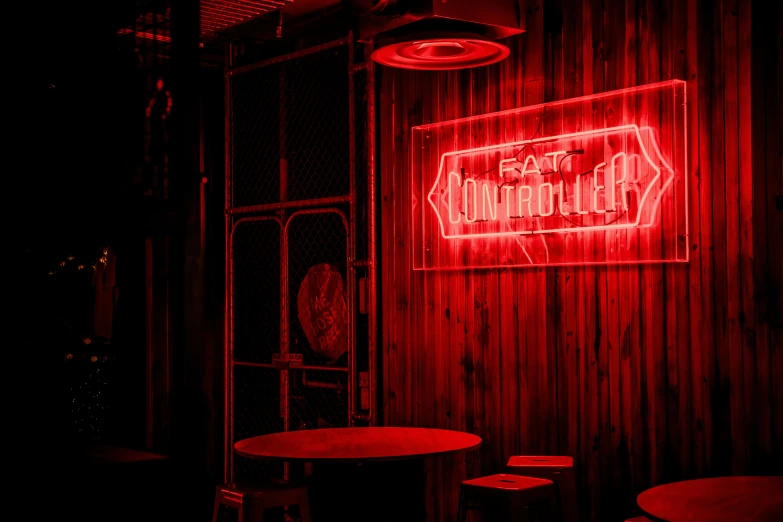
x=550, y=462
x=509, y=496
x=557, y=468
x=506, y=482
x=251, y=499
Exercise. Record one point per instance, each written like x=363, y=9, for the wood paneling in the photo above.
x=644, y=374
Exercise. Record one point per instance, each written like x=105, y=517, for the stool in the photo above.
x=509, y=494
x=252, y=500
x=559, y=470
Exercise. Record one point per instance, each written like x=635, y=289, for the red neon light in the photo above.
x=590, y=200
x=609, y=188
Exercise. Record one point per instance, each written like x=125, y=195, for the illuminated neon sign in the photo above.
x=593, y=180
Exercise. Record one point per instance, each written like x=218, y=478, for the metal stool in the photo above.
x=509, y=495
x=559, y=470
x=252, y=500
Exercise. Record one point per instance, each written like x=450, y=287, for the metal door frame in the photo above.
x=285, y=347
x=231, y=362
x=279, y=212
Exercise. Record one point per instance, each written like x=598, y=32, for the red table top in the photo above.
x=356, y=444
x=750, y=499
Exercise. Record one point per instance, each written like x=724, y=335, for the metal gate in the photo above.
x=299, y=145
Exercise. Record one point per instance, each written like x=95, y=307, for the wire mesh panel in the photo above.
x=256, y=290
x=319, y=399
x=291, y=121
x=255, y=137
x=255, y=336
x=292, y=118
x=315, y=102
x=256, y=411
x=317, y=287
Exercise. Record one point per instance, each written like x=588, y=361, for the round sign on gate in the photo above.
x=323, y=313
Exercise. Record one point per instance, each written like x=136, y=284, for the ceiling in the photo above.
x=218, y=15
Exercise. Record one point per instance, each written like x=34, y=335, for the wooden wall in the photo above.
x=643, y=374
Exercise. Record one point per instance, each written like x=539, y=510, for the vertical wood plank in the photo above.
x=732, y=251
x=707, y=175
x=774, y=206
x=754, y=419
x=680, y=413
x=472, y=461
x=695, y=423
x=720, y=398
x=509, y=384
x=764, y=107
x=431, y=391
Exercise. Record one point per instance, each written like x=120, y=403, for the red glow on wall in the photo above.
x=593, y=180
x=441, y=54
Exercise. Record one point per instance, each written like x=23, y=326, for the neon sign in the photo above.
x=599, y=180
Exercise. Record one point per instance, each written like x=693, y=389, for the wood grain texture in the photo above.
x=643, y=374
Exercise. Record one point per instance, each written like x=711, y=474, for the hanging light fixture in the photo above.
x=441, y=53
x=435, y=35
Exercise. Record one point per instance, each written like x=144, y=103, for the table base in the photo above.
x=391, y=491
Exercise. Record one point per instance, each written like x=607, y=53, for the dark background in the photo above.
x=75, y=164
x=78, y=184
x=79, y=135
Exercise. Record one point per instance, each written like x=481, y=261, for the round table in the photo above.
x=359, y=474
x=356, y=444
x=750, y=499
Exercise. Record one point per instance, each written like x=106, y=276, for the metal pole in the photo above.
x=285, y=407
x=230, y=395
x=351, y=271
x=228, y=372
x=372, y=334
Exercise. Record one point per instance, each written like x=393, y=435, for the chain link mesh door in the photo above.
x=292, y=214
x=255, y=321
x=320, y=324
